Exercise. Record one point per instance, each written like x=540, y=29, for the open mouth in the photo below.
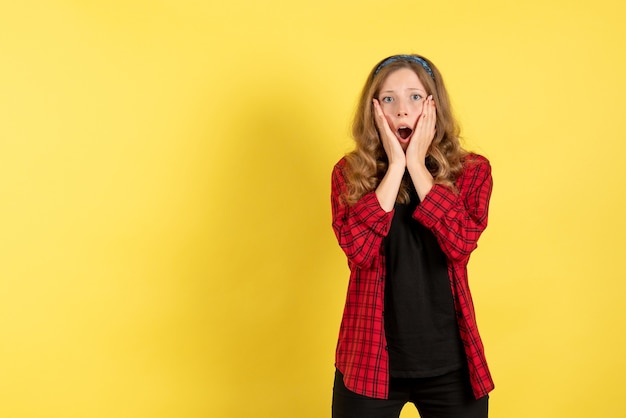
x=404, y=132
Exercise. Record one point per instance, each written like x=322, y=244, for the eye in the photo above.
x=387, y=99
x=416, y=97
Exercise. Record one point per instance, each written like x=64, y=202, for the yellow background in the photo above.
x=166, y=248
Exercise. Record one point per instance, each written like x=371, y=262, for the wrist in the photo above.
x=396, y=167
x=416, y=164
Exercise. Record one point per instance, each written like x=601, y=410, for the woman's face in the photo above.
x=401, y=98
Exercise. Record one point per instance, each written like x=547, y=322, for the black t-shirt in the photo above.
x=420, y=321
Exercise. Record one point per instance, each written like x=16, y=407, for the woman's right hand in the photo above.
x=387, y=190
x=393, y=149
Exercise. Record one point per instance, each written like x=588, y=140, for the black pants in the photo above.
x=447, y=396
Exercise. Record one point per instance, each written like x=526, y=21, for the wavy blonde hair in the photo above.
x=368, y=163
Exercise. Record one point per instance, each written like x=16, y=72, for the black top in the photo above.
x=420, y=321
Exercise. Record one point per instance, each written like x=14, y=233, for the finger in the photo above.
x=424, y=116
x=381, y=120
x=378, y=111
x=378, y=114
x=429, y=113
x=376, y=106
x=433, y=112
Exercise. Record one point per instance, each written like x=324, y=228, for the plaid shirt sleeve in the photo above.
x=361, y=353
x=361, y=227
x=458, y=220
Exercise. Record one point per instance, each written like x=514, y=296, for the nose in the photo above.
x=402, y=110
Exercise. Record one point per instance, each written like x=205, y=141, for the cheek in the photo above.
x=389, y=120
x=387, y=109
x=419, y=107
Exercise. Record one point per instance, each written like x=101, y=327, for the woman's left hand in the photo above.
x=424, y=133
x=418, y=149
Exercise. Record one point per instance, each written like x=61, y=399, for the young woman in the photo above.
x=408, y=206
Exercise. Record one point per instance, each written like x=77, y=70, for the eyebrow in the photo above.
x=409, y=89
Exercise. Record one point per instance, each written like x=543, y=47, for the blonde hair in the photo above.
x=367, y=164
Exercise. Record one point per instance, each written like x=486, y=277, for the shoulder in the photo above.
x=340, y=167
x=338, y=176
x=473, y=160
x=475, y=163
x=341, y=163
x=476, y=173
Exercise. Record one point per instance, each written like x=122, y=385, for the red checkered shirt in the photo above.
x=456, y=220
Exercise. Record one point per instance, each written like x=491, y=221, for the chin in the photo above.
x=405, y=144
